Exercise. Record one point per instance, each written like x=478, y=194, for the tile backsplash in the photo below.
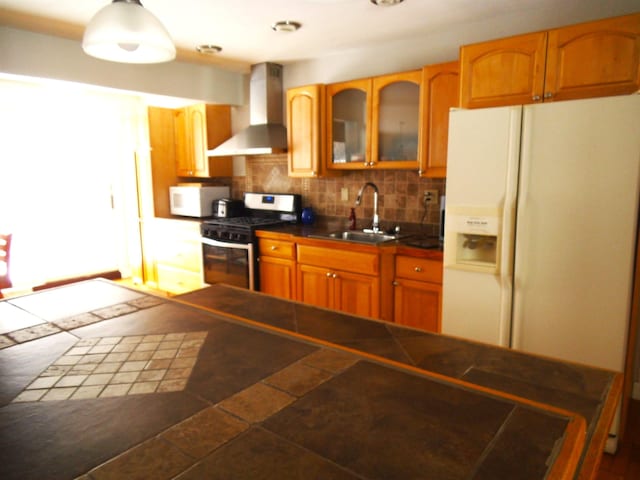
x=400, y=199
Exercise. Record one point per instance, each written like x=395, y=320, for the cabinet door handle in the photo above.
x=273, y=248
x=417, y=269
x=395, y=283
x=548, y=95
x=536, y=98
x=335, y=275
x=328, y=274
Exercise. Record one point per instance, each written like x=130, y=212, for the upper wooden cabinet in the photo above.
x=305, y=107
x=348, y=124
x=594, y=59
x=588, y=60
x=374, y=122
x=200, y=128
x=395, y=125
x=440, y=87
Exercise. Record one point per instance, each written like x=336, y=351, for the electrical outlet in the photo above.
x=430, y=197
x=344, y=194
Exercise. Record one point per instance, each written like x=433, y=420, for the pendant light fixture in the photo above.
x=124, y=31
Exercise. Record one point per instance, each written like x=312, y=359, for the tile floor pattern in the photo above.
x=117, y=366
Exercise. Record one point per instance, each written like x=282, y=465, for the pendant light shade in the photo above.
x=124, y=31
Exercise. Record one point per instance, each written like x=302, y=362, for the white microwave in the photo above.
x=195, y=200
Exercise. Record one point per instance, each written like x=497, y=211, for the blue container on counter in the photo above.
x=308, y=216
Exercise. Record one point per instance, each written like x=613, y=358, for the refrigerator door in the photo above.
x=576, y=229
x=482, y=169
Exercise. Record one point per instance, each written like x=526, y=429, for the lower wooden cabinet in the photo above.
x=418, y=292
x=277, y=268
x=344, y=280
x=176, y=252
x=339, y=290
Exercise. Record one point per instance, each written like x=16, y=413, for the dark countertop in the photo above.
x=564, y=385
x=110, y=382
x=413, y=241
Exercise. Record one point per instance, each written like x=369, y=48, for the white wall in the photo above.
x=443, y=46
x=37, y=55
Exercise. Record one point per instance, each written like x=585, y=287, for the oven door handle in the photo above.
x=218, y=243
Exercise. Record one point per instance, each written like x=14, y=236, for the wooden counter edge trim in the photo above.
x=566, y=461
x=593, y=456
x=565, y=464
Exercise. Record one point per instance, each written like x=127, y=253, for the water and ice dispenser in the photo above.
x=472, y=238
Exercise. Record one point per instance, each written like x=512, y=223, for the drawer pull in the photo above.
x=273, y=248
x=417, y=269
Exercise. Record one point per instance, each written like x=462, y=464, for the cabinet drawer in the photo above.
x=277, y=248
x=185, y=254
x=421, y=269
x=336, y=259
x=177, y=280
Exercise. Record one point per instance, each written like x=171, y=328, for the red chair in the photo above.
x=5, y=250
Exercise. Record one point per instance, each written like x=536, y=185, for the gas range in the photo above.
x=236, y=229
x=261, y=210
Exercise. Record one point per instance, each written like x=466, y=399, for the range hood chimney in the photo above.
x=266, y=133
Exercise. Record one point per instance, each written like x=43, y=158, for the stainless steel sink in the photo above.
x=358, y=236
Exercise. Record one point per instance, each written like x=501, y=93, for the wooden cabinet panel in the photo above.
x=418, y=292
x=174, y=249
x=199, y=128
x=420, y=269
x=305, y=139
x=277, y=267
x=418, y=304
x=162, y=141
x=591, y=59
x=176, y=280
x=339, y=290
x=277, y=277
x=314, y=286
x=277, y=248
x=337, y=259
x=508, y=71
x=357, y=294
x=440, y=92
x=346, y=280
x=594, y=59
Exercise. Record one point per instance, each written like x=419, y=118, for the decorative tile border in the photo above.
x=81, y=320
x=117, y=366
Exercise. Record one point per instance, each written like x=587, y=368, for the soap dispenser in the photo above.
x=352, y=219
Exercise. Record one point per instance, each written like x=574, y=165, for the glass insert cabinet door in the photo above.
x=349, y=118
x=375, y=122
x=396, y=119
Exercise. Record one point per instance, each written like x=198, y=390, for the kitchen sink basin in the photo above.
x=358, y=237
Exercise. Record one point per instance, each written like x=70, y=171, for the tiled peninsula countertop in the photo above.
x=100, y=381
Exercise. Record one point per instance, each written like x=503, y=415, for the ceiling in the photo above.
x=243, y=27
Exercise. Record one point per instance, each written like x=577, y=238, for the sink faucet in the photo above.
x=375, y=225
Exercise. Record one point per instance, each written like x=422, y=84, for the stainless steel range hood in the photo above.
x=266, y=133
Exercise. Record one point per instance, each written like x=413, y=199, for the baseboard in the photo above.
x=635, y=393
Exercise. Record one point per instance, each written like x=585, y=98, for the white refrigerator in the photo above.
x=540, y=231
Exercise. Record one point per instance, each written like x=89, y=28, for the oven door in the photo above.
x=230, y=263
